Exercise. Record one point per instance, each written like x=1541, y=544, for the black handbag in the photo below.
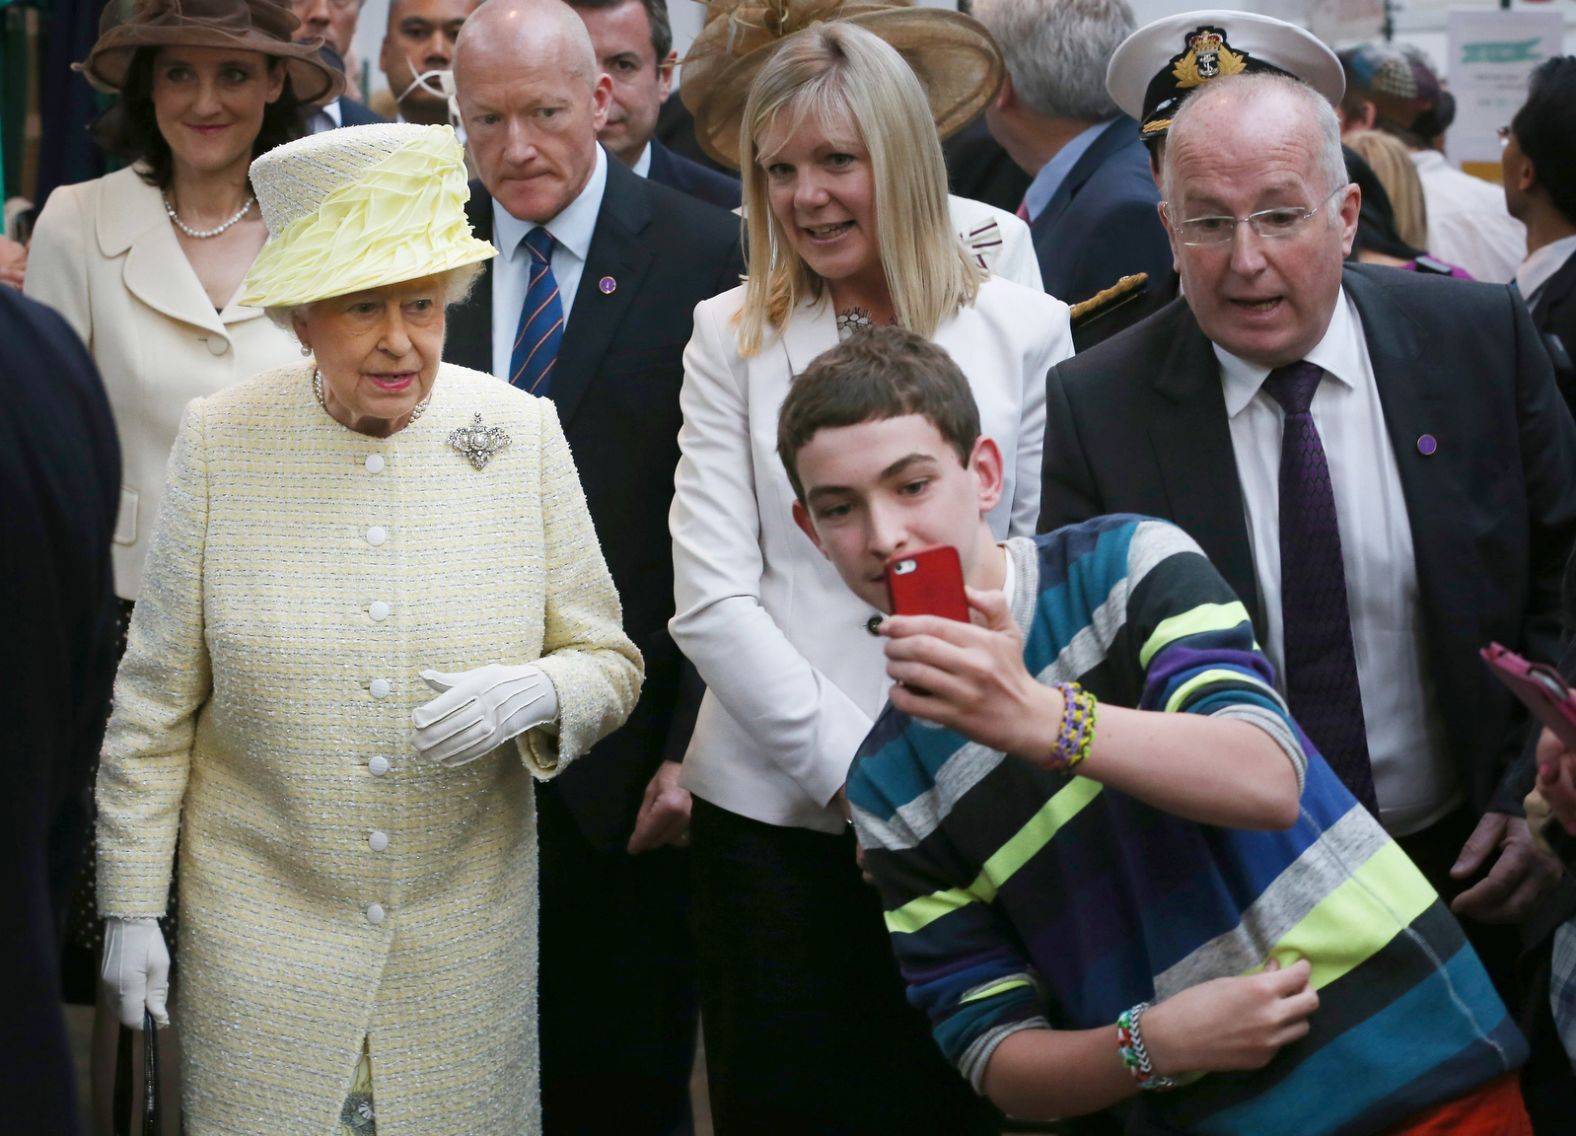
x=124, y=1122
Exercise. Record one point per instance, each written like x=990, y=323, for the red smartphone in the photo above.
x=1541, y=688
x=927, y=582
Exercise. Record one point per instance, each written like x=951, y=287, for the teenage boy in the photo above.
x=1092, y=799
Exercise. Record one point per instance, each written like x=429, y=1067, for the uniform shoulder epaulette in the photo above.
x=1107, y=300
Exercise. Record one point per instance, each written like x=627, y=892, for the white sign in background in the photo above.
x=1491, y=53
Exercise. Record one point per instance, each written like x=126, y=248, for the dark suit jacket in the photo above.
x=678, y=172
x=1139, y=425
x=59, y=491
x=352, y=113
x=616, y=387
x=1554, y=315
x=1102, y=224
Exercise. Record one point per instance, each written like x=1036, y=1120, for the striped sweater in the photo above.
x=1021, y=899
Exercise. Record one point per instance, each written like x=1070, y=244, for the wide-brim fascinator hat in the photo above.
x=264, y=26
x=357, y=208
x=955, y=58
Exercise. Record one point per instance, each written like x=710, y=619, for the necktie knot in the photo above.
x=539, y=242
x=1293, y=385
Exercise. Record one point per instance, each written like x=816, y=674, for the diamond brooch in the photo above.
x=479, y=443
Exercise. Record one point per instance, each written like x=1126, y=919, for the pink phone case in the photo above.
x=1541, y=688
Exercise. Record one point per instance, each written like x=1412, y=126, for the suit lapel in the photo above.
x=1107, y=142
x=1555, y=289
x=615, y=269
x=1192, y=444
x=155, y=270
x=469, y=336
x=810, y=331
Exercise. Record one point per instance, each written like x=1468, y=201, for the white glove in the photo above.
x=137, y=968
x=477, y=711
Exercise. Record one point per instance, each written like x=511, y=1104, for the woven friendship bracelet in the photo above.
x=1130, y=1044
x=1075, y=736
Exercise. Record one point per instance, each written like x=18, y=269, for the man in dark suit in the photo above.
x=60, y=487
x=622, y=262
x=343, y=111
x=1091, y=205
x=634, y=46
x=1539, y=165
x=1419, y=506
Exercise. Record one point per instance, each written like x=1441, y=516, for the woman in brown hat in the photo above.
x=146, y=263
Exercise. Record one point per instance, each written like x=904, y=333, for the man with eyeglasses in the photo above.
x=1378, y=463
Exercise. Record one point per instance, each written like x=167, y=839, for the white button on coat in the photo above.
x=377, y=841
x=379, y=611
x=375, y=913
x=382, y=688
x=375, y=463
x=218, y=345
x=376, y=535
x=378, y=766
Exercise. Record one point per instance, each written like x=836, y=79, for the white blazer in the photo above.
x=105, y=256
x=793, y=679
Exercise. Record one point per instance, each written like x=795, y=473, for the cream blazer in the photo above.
x=793, y=679
x=333, y=885
x=105, y=256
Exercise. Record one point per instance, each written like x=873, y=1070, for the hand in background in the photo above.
x=13, y=262
x=664, y=816
x=1557, y=778
x=1521, y=874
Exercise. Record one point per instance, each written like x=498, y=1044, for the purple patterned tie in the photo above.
x=1321, y=667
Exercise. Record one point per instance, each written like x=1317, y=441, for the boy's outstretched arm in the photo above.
x=971, y=678
x=1221, y=1025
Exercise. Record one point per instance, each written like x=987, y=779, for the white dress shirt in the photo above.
x=1535, y=271
x=571, y=231
x=1468, y=223
x=642, y=166
x=1414, y=779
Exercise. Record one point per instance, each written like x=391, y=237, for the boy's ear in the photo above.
x=801, y=517
x=985, y=461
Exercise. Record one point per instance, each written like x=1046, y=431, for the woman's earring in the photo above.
x=306, y=352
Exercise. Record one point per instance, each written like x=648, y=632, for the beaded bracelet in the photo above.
x=1075, y=737
x=1130, y=1044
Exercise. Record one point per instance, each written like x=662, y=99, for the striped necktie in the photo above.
x=541, y=320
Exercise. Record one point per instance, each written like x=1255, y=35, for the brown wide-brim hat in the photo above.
x=264, y=26
x=955, y=58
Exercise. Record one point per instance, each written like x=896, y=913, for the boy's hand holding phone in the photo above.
x=970, y=677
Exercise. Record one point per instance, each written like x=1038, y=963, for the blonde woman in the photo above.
x=375, y=611
x=845, y=194
x=1392, y=164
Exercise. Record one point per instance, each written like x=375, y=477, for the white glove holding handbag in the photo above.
x=477, y=711
x=137, y=969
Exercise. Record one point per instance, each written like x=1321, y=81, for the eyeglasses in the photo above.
x=1271, y=224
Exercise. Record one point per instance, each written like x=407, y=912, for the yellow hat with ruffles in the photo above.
x=357, y=208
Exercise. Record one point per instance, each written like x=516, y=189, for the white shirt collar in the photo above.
x=1009, y=579
x=572, y=228
x=1535, y=271
x=1338, y=352
x=642, y=166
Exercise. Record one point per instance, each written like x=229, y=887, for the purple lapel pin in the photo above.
x=1427, y=444
x=607, y=285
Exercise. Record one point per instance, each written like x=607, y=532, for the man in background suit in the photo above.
x=1091, y=205
x=626, y=263
x=634, y=46
x=1539, y=166
x=1436, y=438
x=60, y=488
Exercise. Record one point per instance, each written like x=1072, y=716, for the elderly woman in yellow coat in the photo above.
x=374, y=609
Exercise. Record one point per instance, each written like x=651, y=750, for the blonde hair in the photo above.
x=843, y=77
x=1392, y=164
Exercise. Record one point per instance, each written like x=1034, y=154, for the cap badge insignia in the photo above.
x=1208, y=56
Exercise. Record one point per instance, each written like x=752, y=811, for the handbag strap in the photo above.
x=122, y=1122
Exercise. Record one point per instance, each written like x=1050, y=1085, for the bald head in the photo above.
x=530, y=34
x=532, y=101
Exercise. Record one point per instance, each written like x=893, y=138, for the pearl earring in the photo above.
x=306, y=352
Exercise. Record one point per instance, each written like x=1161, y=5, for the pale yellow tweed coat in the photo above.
x=264, y=679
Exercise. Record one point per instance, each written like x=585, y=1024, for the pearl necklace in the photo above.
x=204, y=234
x=317, y=388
